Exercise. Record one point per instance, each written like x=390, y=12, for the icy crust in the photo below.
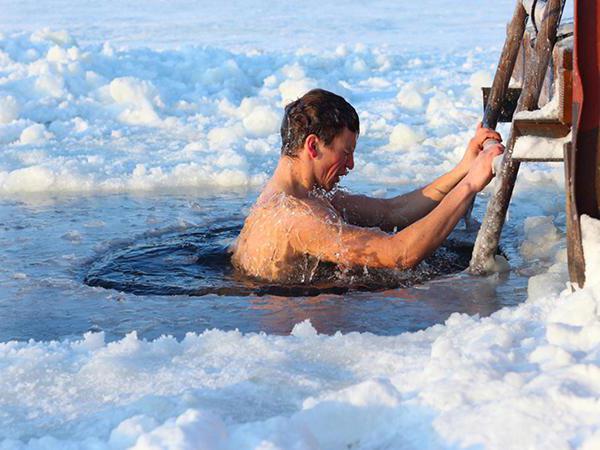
x=525, y=377
x=96, y=118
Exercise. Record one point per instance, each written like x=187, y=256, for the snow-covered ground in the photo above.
x=160, y=96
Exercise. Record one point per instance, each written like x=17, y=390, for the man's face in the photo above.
x=337, y=159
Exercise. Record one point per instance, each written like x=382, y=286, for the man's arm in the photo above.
x=403, y=210
x=324, y=236
x=397, y=212
x=320, y=233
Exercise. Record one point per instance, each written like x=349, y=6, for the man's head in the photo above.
x=317, y=112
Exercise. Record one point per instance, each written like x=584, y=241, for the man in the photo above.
x=293, y=226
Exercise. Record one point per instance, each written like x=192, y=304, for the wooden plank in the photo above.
x=564, y=78
x=543, y=127
x=574, y=246
x=547, y=160
x=548, y=128
x=586, y=106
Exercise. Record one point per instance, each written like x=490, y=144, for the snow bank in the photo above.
x=97, y=116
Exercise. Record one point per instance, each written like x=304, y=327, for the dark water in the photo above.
x=197, y=262
x=162, y=250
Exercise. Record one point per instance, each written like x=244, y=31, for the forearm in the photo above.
x=420, y=239
x=441, y=186
x=403, y=210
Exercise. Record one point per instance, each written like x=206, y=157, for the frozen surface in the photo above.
x=95, y=118
x=119, y=121
x=266, y=24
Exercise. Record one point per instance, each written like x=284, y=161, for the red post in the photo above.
x=584, y=157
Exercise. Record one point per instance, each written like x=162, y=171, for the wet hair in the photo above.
x=317, y=112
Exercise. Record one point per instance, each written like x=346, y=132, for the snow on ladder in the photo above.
x=542, y=126
x=543, y=133
x=570, y=121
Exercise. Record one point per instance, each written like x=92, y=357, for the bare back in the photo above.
x=264, y=249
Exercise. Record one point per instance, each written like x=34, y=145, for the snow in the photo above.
x=535, y=147
x=549, y=111
x=123, y=98
x=410, y=97
x=590, y=236
x=202, y=116
x=9, y=109
x=405, y=137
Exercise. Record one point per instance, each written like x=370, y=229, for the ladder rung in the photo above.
x=547, y=127
x=536, y=148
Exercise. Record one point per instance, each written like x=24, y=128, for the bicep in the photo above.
x=360, y=209
x=330, y=239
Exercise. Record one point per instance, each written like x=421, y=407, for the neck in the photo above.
x=294, y=176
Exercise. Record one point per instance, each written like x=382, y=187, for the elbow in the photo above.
x=410, y=262
x=405, y=262
x=408, y=257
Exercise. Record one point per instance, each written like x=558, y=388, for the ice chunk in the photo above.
x=541, y=238
x=191, y=430
x=405, y=137
x=261, y=121
x=304, y=330
x=409, y=97
x=9, y=109
x=35, y=134
x=29, y=179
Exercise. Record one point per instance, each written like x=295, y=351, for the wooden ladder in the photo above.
x=524, y=123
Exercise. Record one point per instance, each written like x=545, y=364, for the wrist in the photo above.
x=469, y=186
x=462, y=168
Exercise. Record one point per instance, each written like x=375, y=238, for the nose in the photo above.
x=350, y=162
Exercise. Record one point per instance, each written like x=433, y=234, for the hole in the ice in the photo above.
x=196, y=262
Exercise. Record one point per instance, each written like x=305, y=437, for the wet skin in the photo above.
x=292, y=226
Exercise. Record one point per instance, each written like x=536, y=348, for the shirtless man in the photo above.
x=294, y=224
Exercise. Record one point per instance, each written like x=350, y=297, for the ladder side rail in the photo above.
x=506, y=64
x=488, y=237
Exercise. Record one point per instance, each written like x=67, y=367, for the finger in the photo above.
x=492, y=134
x=488, y=142
x=494, y=148
x=486, y=131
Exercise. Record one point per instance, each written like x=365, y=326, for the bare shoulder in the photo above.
x=312, y=210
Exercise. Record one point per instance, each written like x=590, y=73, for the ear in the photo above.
x=312, y=145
